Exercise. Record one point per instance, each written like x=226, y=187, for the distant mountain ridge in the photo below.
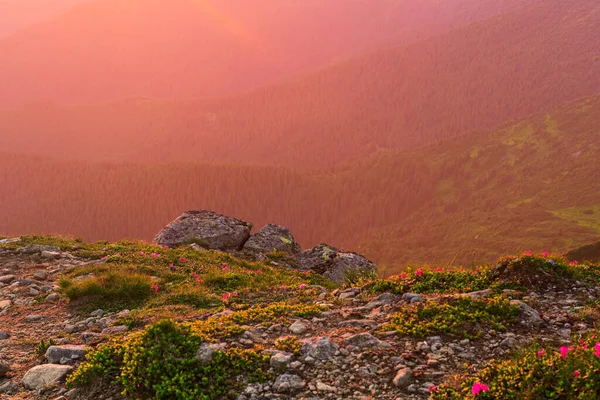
x=521, y=186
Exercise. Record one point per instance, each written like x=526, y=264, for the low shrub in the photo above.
x=460, y=316
x=535, y=373
x=161, y=363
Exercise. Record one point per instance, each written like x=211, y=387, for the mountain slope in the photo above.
x=528, y=61
x=519, y=187
x=110, y=49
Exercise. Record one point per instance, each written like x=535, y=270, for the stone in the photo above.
x=9, y=387
x=40, y=275
x=36, y=248
x=33, y=318
x=281, y=360
x=273, y=238
x=509, y=343
x=115, y=329
x=4, y=335
x=321, y=387
x=52, y=296
x=67, y=354
x=45, y=375
x=333, y=263
x=298, y=328
x=288, y=383
x=207, y=229
x=528, y=314
x=10, y=240
x=206, y=351
x=98, y=313
x=4, y=368
x=4, y=304
x=403, y=377
x=6, y=279
x=90, y=337
x=384, y=299
x=52, y=255
x=322, y=350
x=365, y=341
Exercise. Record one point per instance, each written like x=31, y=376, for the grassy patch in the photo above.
x=585, y=216
x=113, y=290
x=461, y=316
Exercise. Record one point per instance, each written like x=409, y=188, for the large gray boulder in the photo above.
x=333, y=263
x=273, y=238
x=45, y=375
x=206, y=228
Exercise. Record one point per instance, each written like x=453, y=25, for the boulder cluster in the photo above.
x=209, y=230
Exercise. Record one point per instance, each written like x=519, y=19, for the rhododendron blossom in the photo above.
x=541, y=353
x=155, y=255
x=564, y=351
x=419, y=272
x=576, y=373
x=302, y=286
x=155, y=288
x=479, y=387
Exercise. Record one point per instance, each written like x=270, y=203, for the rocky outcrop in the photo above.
x=333, y=263
x=273, y=238
x=207, y=229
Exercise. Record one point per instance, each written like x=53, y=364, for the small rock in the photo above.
x=67, y=354
x=52, y=297
x=33, y=318
x=288, y=383
x=207, y=350
x=52, y=255
x=365, y=341
x=403, y=377
x=4, y=368
x=45, y=375
x=40, y=275
x=297, y=328
x=4, y=304
x=321, y=387
x=6, y=279
x=281, y=360
x=4, y=335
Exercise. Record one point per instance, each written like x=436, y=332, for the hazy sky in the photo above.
x=15, y=14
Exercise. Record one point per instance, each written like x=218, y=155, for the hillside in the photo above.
x=199, y=48
x=472, y=199
x=528, y=61
x=83, y=321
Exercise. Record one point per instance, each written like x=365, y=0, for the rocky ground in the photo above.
x=345, y=353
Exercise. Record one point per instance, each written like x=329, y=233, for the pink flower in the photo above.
x=284, y=286
x=576, y=373
x=143, y=254
x=479, y=387
x=198, y=281
x=155, y=255
x=195, y=275
x=564, y=351
x=528, y=252
x=259, y=271
x=182, y=259
x=597, y=349
x=155, y=288
x=402, y=275
x=248, y=271
x=541, y=353
x=419, y=272
x=438, y=269
x=305, y=272
x=545, y=254
x=302, y=286
x=295, y=271
x=572, y=263
x=164, y=246
x=235, y=293
x=432, y=388
x=226, y=296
